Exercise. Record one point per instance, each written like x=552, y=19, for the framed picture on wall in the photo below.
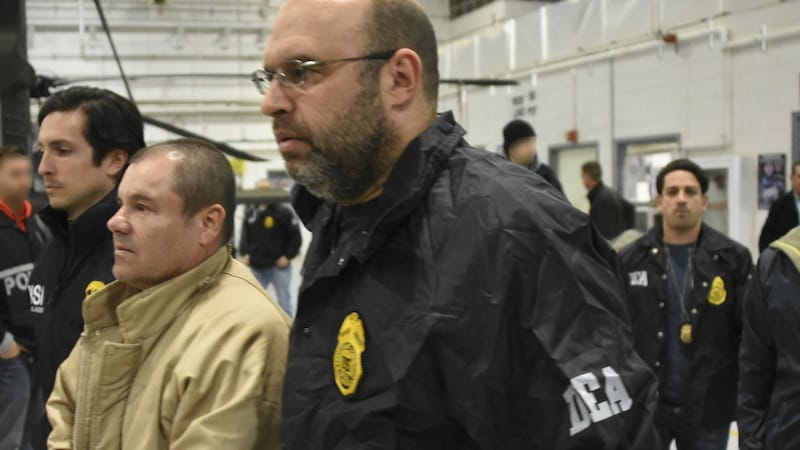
x=771, y=178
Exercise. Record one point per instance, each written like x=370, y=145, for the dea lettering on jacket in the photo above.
x=16, y=278
x=586, y=407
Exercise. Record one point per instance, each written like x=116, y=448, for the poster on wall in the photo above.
x=771, y=178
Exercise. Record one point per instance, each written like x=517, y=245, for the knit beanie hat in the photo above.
x=514, y=131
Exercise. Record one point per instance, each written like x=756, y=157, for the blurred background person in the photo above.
x=784, y=213
x=19, y=246
x=519, y=146
x=270, y=240
x=610, y=213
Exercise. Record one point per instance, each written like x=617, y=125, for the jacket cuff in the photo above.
x=5, y=344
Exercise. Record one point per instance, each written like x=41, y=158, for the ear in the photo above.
x=115, y=162
x=212, y=220
x=705, y=201
x=402, y=78
x=659, y=201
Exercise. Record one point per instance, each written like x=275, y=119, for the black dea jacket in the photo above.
x=468, y=307
x=722, y=270
x=769, y=393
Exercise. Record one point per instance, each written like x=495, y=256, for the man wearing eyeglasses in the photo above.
x=450, y=298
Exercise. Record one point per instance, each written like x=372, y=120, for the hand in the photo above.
x=246, y=260
x=282, y=262
x=12, y=352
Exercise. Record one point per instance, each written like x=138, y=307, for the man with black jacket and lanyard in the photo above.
x=270, y=240
x=686, y=287
x=450, y=299
x=19, y=246
x=86, y=136
x=769, y=361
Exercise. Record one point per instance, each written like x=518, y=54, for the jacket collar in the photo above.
x=789, y=244
x=143, y=314
x=412, y=177
x=89, y=226
x=709, y=238
x=595, y=190
x=20, y=222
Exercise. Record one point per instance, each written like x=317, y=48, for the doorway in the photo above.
x=566, y=161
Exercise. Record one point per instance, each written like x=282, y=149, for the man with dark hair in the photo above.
x=686, y=287
x=87, y=136
x=19, y=246
x=184, y=350
x=270, y=239
x=519, y=146
x=784, y=214
x=450, y=299
x=769, y=357
x=610, y=213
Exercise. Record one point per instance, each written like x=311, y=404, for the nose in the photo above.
x=45, y=168
x=275, y=102
x=118, y=223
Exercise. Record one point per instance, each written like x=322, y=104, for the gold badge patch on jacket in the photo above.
x=350, y=345
x=717, y=294
x=93, y=287
x=269, y=222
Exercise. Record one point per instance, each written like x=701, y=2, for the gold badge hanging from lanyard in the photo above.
x=686, y=333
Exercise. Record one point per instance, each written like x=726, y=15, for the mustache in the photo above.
x=285, y=125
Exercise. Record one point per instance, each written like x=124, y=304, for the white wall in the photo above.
x=719, y=91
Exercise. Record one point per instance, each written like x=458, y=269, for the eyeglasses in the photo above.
x=294, y=73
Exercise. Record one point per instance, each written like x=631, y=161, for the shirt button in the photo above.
x=654, y=250
x=306, y=331
x=664, y=276
x=705, y=283
x=716, y=257
x=341, y=262
x=97, y=332
x=661, y=305
x=660, y=335
x=658, y=363
x=694, y=311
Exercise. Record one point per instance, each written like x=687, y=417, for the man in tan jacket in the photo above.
x=184, y=350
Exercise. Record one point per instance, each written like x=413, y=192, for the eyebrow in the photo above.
x=56, y=142
x=138, y=197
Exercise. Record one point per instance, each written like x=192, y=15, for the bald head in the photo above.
x=342, y=122
x=366, y=26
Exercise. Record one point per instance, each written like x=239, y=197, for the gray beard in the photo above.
x=346, y=162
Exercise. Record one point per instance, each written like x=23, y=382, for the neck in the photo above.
x=72, y=215
x=387, y=163
x=16, y=205
x=681, y=236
